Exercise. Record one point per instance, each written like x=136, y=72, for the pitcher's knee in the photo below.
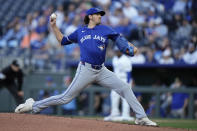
x=66, y=98
x=122, y=88
x=126, y=87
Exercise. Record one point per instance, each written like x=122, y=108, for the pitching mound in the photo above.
x=29, y=122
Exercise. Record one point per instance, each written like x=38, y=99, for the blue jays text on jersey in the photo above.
x=92, y=42
x=95, y=37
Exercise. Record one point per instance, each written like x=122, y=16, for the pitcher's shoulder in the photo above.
x=80, y=28
x=103, y=26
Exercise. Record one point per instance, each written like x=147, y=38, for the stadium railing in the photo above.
x=142, y=89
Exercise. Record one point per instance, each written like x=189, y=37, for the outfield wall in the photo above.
x=35, y=82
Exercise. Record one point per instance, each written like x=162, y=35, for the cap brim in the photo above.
x=17, y=65
x=102, y=13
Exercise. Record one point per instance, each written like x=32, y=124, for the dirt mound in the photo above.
x=29, y=122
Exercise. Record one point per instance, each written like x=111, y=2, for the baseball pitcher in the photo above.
x=93, y=40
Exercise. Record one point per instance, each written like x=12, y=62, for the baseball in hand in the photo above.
x=53, y=16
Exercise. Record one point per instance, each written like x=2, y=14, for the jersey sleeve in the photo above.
x=72, y=38
x=112, y=34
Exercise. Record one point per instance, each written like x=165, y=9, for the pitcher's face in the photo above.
x=96, y=18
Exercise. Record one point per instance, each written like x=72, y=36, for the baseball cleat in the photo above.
x=118, y=118
x=27, y=106
x=145, y=122
x=110, y=118
x=113, y=118
x=127, y=118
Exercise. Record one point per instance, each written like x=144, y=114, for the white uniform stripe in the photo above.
x=69, y=39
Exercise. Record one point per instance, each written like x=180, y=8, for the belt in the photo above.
x=96, y=67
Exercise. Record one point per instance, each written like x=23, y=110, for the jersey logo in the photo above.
x=83, y=31
x=86, y=37
x=101, y=47
x=95, y=37
x=100, y=38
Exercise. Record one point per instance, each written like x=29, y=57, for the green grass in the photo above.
x=174, y=123
x=177, y=123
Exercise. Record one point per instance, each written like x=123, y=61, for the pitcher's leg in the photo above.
x=82, y=78
x=108, y=79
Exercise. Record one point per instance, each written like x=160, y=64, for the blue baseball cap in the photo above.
x=95, y=11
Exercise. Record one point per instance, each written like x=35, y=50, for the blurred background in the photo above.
x=165, y=32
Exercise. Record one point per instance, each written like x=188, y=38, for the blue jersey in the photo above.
x=178, y=100
x=92, y=42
